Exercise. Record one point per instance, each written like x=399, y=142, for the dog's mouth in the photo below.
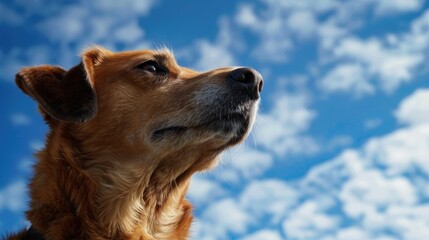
x=173, y=129
x=233, y=124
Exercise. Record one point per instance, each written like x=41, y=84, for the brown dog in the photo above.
x=128, y=130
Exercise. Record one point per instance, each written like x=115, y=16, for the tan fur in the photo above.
x=105, y=178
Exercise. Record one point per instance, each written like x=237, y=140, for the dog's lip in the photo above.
x=232, y=117
x=165, y=130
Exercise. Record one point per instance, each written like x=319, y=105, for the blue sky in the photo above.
x=340, y=149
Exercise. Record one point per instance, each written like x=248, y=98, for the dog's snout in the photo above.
x=249, y=79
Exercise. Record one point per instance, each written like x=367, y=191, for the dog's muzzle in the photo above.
x=228, y=111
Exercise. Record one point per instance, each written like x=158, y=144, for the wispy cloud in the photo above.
x=206, y=54
x=373, y=192
x=414, y=109
x=263, y=235
x=213, y=225
x=20, y=119
x=13, y=196
x=361, y=66
x=372, y=123
x=36, y=145
x=283, y=129
x=92, y=22
x=10, y=16
x=348, y=77
x=389, y=65
x=395, y=6
x=311, y=220
x=203, y=190
x=243, y=163
x=76, y=26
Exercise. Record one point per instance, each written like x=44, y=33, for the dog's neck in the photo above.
x=141, y=200
x=105, y=194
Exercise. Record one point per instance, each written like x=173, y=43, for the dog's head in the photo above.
x=144, y=100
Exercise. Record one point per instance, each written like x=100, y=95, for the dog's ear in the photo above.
x=64, y=95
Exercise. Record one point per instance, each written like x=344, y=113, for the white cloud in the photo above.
x=394, y=6
x=242, y=163
x=401, y=151
x=20, y=119
x=73, y=27
x=36, y=145
x=309, y=221
x=330, y=33
x=16, y=58
x=217, y=225
x=125, y=7
x=351, y=233
x=217, y=54
x=282, y=130
x=92, y=22
x=264, y=235
x=280, y=25
x=268, y=197
x=339, y=141
x=374, y=192
x=260, y=199
x=28, y=9
x=417, y=40
x=274, y=49
x=353, y=65
x=10, y=16
x=390, y=66
x=26, y=165
x=13, y=196
x=275, y=42
x=246, y=16
x=378, y=179
x=415, y=108
x=379, y=62
x=18, y=12
x=368, y=192
x=372, y=123
x=319, y=6
x=303, y=23
x=202, y=190
x=410, y=222
x=128, y=33
x=349, y=78
x=213, y=56
x=68, y=25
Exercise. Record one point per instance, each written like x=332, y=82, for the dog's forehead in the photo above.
x=162, y=55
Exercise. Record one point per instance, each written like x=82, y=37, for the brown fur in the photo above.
x=101, y=175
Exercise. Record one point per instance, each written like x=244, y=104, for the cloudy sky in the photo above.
x=340, y=150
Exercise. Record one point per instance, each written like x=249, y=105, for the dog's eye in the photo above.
x=150, y=66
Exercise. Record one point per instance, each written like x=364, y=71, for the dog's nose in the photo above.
x=249, y=79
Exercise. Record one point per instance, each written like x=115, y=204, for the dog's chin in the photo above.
x=229, y=132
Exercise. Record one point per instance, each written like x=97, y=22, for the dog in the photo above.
x=127, y=132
